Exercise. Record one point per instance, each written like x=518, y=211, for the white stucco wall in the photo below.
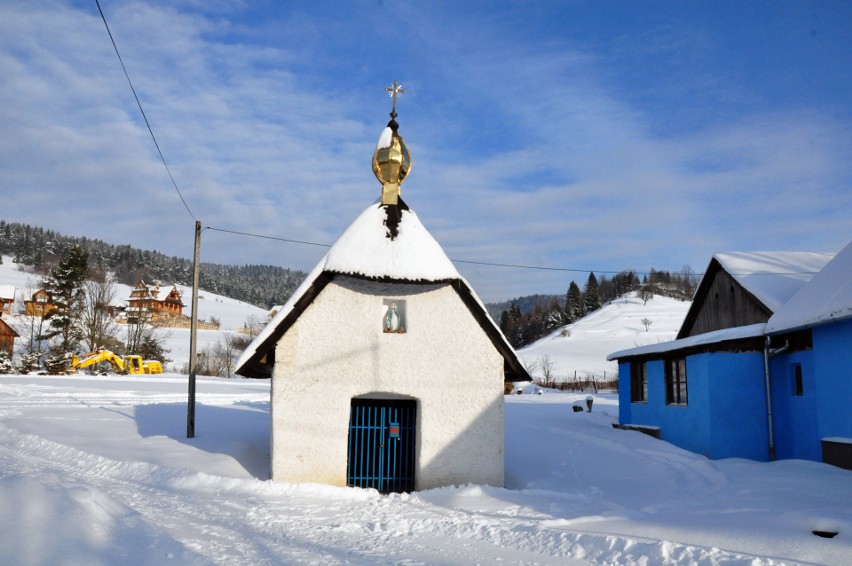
x=337, y=350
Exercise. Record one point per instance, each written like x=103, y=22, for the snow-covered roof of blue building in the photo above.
x=774, y=279
x=826, y=298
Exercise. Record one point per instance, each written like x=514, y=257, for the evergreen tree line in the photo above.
x=526, y=319
x=261, y=285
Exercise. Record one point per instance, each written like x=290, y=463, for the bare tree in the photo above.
x=99, y=330
x=144, y=338
x=532, y=366
x=646, y=293
x=220, y=359
x=647, y=323
x=253, y=326
x=546, y=365
x=31, y=328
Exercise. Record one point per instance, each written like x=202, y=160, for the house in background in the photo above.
x=387, y=371
x=146, y=300
x=39, y=304
x=739, y=381
x=7, y=298
x=7, y=338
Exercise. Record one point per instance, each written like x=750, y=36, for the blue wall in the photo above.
x=624, y=393
x=726, y=411
x=739, y=426
x=833, y=376
x=726, y=415
x=794, y=417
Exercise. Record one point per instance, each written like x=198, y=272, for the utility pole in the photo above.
x=193, y=333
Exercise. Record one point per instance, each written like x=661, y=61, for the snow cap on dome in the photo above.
x=365, y=250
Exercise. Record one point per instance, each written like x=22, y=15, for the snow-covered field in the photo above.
x=615, y=326
x=98, y=470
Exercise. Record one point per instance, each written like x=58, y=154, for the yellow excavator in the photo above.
x=133, y=365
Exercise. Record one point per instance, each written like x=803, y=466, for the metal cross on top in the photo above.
x=394, y=90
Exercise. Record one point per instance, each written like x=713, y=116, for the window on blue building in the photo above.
x=796, y=371
x=676, y=381
x=638, y=383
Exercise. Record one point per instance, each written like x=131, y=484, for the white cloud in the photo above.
x=524, y=152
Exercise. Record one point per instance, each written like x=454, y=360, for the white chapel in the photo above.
x=387, y=371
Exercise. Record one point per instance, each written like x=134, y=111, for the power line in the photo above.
x=138, y=103
x=519, y=266
x=266, y=237
x=484, y=263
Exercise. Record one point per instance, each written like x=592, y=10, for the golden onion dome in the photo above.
x=391, y=160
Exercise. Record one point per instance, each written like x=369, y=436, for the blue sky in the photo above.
x=578, y=135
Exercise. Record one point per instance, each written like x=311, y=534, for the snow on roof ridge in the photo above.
x=826, y=297
x=7, y=291
x=365, y=250
x=773, y=277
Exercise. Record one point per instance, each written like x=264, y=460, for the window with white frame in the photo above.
x=676, y=389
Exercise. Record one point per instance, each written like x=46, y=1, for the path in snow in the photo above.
x=99, y=488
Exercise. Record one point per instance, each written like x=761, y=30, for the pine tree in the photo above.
x=5, y=363
x=573, y=304
x=65, y=286
x=515, y=326
x=591, y=296
x=555, y=317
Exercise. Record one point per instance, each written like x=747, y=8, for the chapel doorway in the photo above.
x=382, y=437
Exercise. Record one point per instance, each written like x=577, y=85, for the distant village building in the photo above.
x=762, y=365
x=146, y=300
x=39, y=304
x=7, y=338
x=7, y=298
x=387, y=371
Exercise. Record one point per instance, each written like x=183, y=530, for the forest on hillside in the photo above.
x=260, y=285
x=526, y=319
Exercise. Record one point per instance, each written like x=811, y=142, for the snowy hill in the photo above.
x=615, y=326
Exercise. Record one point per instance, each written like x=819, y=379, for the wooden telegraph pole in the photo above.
x=193, y=333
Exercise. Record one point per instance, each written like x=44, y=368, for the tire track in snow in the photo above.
x=235, y=521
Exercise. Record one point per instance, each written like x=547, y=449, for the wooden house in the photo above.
x=7, y=338
x=39, y=304
x=746, y=378
x=7, y=298
x=148, y=300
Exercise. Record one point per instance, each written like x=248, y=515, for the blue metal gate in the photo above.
x=382, y=435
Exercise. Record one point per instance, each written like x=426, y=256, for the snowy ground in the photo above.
x=97, y=470
x=616, y=326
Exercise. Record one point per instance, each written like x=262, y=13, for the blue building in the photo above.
x=761, y=367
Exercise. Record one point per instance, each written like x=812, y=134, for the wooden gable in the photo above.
x=721, y=302
x=7, y=337
x=40, y=304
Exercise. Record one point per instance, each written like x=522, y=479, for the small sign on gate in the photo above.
x=393, y=430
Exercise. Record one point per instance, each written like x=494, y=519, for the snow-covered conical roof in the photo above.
x=365, y=250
